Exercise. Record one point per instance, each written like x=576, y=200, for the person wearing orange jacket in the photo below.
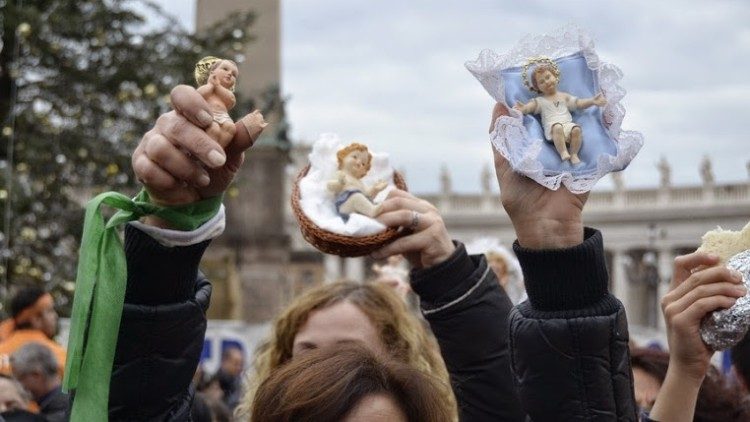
x=33, y=319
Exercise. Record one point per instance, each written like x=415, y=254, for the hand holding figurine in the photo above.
x=182, y=159
x=428, y=242
x=542, y=218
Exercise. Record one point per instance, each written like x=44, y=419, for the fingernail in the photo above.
x=713, y=256
x=204, y=180
x=204, y=118
x=216, y=158
x=741, y=290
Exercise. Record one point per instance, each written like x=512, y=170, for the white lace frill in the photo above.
x=509, y=136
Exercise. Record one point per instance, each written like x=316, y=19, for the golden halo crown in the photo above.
x=538, y=61
x=203, y=68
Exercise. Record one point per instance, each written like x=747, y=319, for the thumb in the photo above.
x=248, y=130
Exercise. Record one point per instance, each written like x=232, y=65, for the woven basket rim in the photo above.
x=336, y=243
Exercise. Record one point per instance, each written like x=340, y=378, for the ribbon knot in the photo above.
x=100, y=293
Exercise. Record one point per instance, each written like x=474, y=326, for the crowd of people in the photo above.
x=358, y=351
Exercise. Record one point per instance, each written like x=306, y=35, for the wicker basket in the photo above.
x=338, y=244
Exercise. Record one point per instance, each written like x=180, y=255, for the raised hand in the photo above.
x=429, y=243
x=542, y=218
x=698, y=287
x=177, y=162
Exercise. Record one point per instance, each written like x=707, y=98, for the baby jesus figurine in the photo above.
x=217, y=79
x=555, y=107
x=352, y=196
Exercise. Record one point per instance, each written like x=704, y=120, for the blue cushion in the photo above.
x=578, y=80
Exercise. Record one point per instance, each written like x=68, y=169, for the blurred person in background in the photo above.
x=12, y=395
x=395, y=274
x=33, y=319
x=503, y=263
x=15, y=402
x=229, y=375
x=35, y=367
x=715, y=400
x=689, y=386
x=210, y=396
x=740, y=356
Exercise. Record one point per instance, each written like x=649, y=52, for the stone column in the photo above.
x=665, y=265
x=332, y=266
x=354, y=269
x=620, y=287
x=487, y=197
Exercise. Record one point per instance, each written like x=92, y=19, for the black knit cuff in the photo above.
x=159, y=274
x=565, y=279
x=446, y=281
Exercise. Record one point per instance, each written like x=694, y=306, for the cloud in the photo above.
x=391, y=73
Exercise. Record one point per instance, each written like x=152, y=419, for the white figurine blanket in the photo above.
x=520, y=138
x=318, y=203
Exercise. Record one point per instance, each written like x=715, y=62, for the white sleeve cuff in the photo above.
x=167, y=237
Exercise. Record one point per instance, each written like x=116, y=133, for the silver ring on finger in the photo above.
x=414, y=221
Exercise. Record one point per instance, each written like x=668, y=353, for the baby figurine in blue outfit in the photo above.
x=352, y=196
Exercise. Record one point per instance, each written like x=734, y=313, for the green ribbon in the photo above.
x=100, y=293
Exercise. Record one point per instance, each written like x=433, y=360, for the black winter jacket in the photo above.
x=569, y=341
x=164, y=322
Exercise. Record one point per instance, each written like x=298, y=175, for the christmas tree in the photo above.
x=80, y=83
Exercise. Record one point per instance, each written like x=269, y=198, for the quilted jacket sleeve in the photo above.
x=569, y=341
x=468, y=313
x=161, y=332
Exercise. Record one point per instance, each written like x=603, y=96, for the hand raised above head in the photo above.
x=542, y=218
x=429, y=243
x=698, y=287
x=178, y=162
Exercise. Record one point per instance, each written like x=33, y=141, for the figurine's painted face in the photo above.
x=227, y=73
x=546, y=81
x=355, y=163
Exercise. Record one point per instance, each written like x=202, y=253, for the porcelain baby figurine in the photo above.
x=217, y=79
x=554, y=107
x=352, y=196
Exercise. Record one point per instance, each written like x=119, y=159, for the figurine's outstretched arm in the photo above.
x=525, y=108
x=598, y=100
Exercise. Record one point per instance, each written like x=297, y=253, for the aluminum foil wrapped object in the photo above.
x=723, y=329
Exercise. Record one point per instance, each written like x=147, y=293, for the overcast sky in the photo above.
x=391, y=74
